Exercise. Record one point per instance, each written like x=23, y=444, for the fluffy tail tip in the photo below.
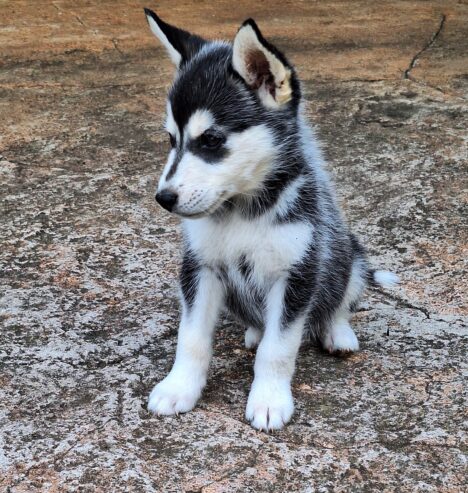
x=385, y=278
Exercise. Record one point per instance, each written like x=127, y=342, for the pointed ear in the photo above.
x=180, y=44
x=262, y=66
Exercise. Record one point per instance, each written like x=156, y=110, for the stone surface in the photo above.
x=88, y=263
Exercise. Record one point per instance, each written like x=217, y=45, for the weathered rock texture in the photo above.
x=88, y=263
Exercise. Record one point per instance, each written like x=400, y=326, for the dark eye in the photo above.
x=172, y=140
x=212, y=139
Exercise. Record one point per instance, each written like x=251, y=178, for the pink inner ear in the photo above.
x=259, y=68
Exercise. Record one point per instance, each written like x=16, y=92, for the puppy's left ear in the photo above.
x=180, y=45
x=263, y=67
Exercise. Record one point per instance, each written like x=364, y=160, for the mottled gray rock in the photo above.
x=88, y=263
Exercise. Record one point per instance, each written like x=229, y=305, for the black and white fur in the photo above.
x=264, y=238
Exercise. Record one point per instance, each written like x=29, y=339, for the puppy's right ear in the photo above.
x=180, y=45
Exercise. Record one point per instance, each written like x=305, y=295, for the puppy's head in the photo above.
x=228, y=112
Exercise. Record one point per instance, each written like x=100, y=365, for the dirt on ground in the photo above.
x=88, y=262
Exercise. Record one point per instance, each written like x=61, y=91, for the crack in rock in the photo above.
x=435, y=35
x=402, y=302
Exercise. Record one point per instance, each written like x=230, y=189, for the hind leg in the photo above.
x=339, y=337
x=253, y=337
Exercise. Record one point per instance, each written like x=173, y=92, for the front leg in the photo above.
x=270, y=404
x=202, y=297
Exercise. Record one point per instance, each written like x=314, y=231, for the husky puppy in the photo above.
x=264, y=238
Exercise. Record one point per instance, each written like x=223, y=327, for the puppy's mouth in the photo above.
x=205, y=212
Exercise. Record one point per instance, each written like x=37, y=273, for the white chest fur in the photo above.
x=270, y=248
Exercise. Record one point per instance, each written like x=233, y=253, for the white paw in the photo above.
x=341, y=339
x=270, y=404
x=252, y=337
x=175, y=394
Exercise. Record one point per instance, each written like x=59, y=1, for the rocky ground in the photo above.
x=88, y=262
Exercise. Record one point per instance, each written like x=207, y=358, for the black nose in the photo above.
x=167, y=199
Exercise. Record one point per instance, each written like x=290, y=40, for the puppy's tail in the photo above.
x=382, y=278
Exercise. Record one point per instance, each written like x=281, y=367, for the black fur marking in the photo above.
x=332, y=282
x=245, y=305
x=175, y=164
x=354, y=306
x=189, y=277
x=211, y=156
x=360, y=252
x=272, y=187
x=301, y=284
x=271, y=191
x=222, y=273
x=245, y=267
x=172, y=140
x=370, y=279
x=305, y=205
x=357, y=247
x=185, y=43
x=247, y=308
